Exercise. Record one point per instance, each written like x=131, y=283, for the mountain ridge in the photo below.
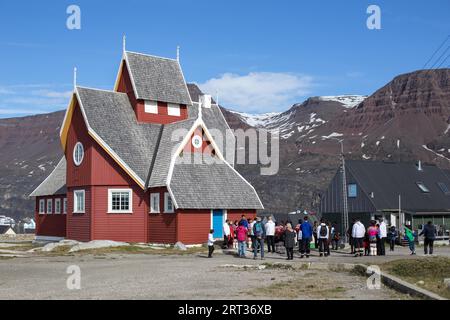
x=309, y=152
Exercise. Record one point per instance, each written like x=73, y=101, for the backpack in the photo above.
x=337, y=236
x=257, y=230
x=323, y=231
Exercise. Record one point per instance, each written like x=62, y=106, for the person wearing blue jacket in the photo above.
x=307, y=232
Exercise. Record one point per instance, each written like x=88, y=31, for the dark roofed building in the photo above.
x=124, y=175
x=421, y=192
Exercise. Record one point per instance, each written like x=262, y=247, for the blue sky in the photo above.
x=260, y=55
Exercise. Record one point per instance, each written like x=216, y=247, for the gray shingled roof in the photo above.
x=214, y=120
x=158, y=79
x=111, y=116
x=55, y=183
x=389, y=179
x=208, y=186
x=168, y=144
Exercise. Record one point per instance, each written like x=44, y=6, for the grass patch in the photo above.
x=432, y=271
x=284, y=266
x=297, y=288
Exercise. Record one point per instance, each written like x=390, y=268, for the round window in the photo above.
x=196, y=141
x=78, y=153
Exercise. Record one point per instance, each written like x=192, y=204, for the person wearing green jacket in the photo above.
x=409, y=234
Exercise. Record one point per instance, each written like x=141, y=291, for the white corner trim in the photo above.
x=106, y=146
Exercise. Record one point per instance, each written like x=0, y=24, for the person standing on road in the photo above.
x=244, y=221
x=241, y=233
x=372, y=233
x=409, y=235
x=226, y=234
x=307, y=232
x=210, y=243
x=351, y=241
x=335, y=238
x=392, y=236
x=383, y=236
x=289, y=241
x=429, y=231
x=330, y=236
x=270, y=235
x=251, y=223
x=316, y=238
x=323, y=233
x=258, y=232
x=358, y=232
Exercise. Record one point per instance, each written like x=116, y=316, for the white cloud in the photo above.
x=22, y=99
x=259, y=92
x=52, y=94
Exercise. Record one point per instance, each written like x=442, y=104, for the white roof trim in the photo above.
x=150, y=55
x=184, y=80
x=125, y=57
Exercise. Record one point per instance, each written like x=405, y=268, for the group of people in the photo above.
x=252, y=233
x=370, y=241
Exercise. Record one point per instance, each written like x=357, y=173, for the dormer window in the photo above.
x=151, y=106
x=173, y=109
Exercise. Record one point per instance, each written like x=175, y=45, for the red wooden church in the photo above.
x=146, y=162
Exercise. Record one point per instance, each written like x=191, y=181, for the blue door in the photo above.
x=217, y=223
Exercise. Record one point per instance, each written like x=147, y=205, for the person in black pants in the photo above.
x=270, y=235
x=289, y=241
x=429, y=231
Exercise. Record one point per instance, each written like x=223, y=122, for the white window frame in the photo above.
x=75, y=202
x=151, y=106
x=41, y=206
x=173, y=109
x=77, y=161
x=157, y=197
x=58, y=206
x=166, y=201
x=130, y=200
x=65, y=206
x=49, y=209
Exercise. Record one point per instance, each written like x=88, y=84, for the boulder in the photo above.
x=447, y=283
x=180, y=246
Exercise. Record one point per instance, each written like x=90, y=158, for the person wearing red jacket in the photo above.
x=241, y=233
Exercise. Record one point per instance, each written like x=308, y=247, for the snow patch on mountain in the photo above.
x=348, y=101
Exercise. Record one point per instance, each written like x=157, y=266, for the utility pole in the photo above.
x=344, y=194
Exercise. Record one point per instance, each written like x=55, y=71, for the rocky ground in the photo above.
x=124, y=275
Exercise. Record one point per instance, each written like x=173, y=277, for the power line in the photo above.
x=434, y=53
x=439, y=59
x=448, y=56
